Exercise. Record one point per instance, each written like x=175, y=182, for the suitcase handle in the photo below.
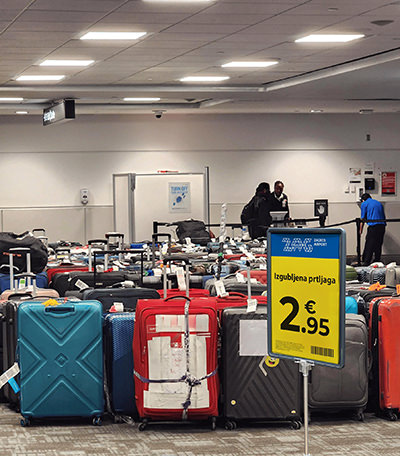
x=234, y=294
x=178, y=297
x=60, y=309
x=176, y=258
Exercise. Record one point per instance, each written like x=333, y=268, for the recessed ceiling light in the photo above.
x=260, y=64
x=49, y=77
x=66, y=62
x=21, y=112
x=11, y=99
x=316, y=110
x=142, y=99
x=112, y=35
x=204, y=78
x=328, y=38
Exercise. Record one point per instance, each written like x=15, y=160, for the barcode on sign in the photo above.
x=322, y=351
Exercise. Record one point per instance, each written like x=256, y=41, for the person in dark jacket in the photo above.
x=256, y=213
x=279, y=200
x=372, y=210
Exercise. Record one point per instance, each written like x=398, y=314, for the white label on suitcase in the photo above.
x=22, y=283
x=220, y=288
x=229, y=252
x=167, y=360
x=176, y=323
x=81, y=285
x=253, y=338
x=157, y=272
x=240, y=277
x=251, y=305
x=180, y=275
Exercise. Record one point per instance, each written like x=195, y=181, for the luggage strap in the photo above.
x=188, y=378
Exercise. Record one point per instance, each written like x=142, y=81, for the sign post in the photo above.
x=306, y=313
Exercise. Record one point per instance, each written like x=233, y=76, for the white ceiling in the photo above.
x=196, y=39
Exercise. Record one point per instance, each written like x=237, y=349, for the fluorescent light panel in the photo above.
x=52, y=77
x=141, y=99
x=263, y=64
x=10, y=99
x=78, y=63
x=328, y=38
x=204, y=78
x=112, y=35
x=21, y=112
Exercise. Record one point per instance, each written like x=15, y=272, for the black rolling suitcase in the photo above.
x=255, y=387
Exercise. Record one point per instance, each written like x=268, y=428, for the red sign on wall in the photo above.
x=388, y=182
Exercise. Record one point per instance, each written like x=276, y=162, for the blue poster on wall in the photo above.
x=179, y=196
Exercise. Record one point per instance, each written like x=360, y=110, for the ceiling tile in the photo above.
x=57, y=16
x=77, y=5
x=73, y=27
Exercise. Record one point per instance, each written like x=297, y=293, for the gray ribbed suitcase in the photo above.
x=377, y=275
x=332, y=389
x=256, y=388
x=392, y=277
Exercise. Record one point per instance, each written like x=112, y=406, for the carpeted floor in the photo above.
x=327, y=437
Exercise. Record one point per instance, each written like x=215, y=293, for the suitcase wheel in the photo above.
x=360, y=416
x=392, y=415
x=25, y=422
x=96, y=421
x=296, y=425
x=213, y=423
x=230, y=425
x=142, y=426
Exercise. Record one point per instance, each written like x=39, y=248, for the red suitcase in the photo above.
x=259, y=274
x=193, y=293
x=176, y=376
x=385, y=345
x=64, y=268
x=238, y=256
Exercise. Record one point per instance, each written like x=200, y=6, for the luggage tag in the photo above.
x=232, y=242
x=157, y=272
x=81, y=285
x=220, y=288
x=22, y=283
x=251, y=305
x=8, y=377
x=248, y=254
x=376, y=287
x=240, y=277
x=117, y=307
x=180, y=275
x=164, y=249
x=51, y=302
x=229, y=252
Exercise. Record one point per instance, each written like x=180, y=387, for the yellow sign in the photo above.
x=305, y=310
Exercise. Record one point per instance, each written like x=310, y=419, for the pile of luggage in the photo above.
x=161, y=331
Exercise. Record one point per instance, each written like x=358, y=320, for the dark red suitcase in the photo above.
x=176, y=376
x=384, y=326
x=193, y=293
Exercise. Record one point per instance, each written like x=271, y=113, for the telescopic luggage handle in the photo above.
x=154, y=238
x=169, y=258
x=120, y=246
x=14, y=251
x=38, y=230
x=93, y=242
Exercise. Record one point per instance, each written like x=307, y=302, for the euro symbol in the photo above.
x=309, y=306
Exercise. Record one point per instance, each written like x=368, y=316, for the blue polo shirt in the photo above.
x=372, y=210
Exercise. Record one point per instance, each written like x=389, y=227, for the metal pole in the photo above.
x=305, y=367
x=358, y=224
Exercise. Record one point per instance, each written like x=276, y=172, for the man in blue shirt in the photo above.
x=372, y=210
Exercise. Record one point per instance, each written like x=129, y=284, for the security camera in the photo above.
x=158, y=114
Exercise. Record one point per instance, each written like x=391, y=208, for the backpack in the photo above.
x=247, y=213
x=193, y=229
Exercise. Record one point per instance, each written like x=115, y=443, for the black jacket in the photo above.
x=261, y=218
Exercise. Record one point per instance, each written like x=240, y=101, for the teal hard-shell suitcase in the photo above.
x=61, y=360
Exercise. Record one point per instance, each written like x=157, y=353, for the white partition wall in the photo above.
x=141, y=199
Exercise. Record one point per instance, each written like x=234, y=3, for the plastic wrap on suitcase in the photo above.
x=255, y=386
x=392, y=276
x=175, y=358
x=119, y=362
x=232, y=285
x=377, y=275
x=346, y=388
x=65, y=377
x=363, y=273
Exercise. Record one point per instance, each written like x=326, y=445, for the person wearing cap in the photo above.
x=256, y=213
x=279, y=200
x=373, y=211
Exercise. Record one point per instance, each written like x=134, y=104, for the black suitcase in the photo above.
x=2, y=366
x=256, y=388
x=127, y=296
x=64, y=282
